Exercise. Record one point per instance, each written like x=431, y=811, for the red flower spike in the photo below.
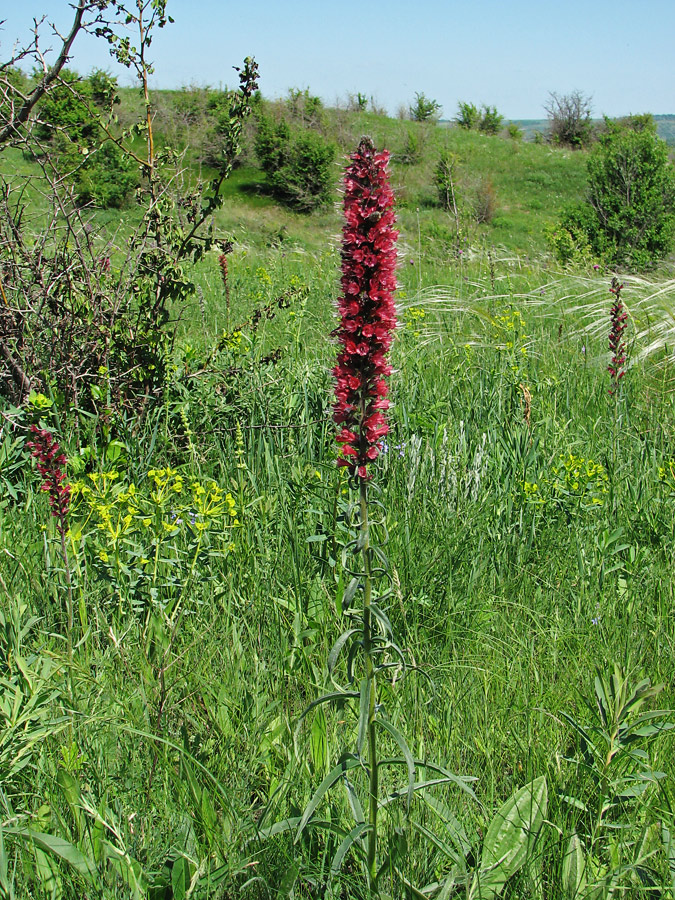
x=51, y=463
x=367, y=312
x=617, y=345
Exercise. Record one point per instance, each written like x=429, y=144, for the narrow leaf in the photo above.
x=354, y=837
x=405, y=750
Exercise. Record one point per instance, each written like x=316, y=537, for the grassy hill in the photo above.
x=527, y=184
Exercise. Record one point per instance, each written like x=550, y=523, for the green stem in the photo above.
x=69, y=627
x=373, y=788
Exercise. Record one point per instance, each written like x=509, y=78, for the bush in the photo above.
x=490, y=120
x=468, y=116
x=64, y=111
x=424, y=109
x=298, y=164
x=486, y=119
x=412, y=151
x=570, y=119
x=628, y=217
x=107, y=178
x=631, y=189
x=445, y=177
x=98, y=170
x=570, y=238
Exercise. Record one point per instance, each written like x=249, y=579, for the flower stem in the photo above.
x=69, y=612
x=373, y=788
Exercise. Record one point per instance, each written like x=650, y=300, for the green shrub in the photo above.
x=569, y=118
x=412, y=151
x=298, y=163
x=468, y=116
x=490, y=120
x=486, y=119
x=515, y=132
x=631, y=190
x=304, y=108
x=424, y=109
x=64, y=111
x=570, y=238
x=99, y=171
x=628, y=217
x=106, y=178
x=445, y=179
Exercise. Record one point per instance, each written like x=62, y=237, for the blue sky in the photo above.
x=507, y=53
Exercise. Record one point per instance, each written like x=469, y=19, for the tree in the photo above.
x=570, y=119
x=424, y=109
x=73, y=305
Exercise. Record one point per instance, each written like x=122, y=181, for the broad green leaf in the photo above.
x=180, y=878
x=510, y=838
x=58, y=847
x=288, y=881
x=574, y=868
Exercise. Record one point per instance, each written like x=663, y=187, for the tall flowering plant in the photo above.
x=51, y=464
x=365, y=334
x=366, y=308
x=617, y=344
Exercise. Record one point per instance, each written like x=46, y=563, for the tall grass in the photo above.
x=526, y=556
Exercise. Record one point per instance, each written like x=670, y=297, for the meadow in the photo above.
x=162, y=658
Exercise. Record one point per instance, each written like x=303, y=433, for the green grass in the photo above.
x=196, y=656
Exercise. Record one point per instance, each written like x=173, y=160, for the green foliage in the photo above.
x=631, y=189
x=100, y=171
x=571, y=238
x=490, y=120
x=106, y=177
x=445, y=177
x=514, y=131
x=468, y=116
x=628, y=218
x=412, y=151
x=305, y=108
x=486, y=119
x=64, y=111
x=424, y=109
x=298, y=163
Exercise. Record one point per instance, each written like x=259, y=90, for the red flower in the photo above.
x=617, y=345
x=51, y=462
x=367, y=313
